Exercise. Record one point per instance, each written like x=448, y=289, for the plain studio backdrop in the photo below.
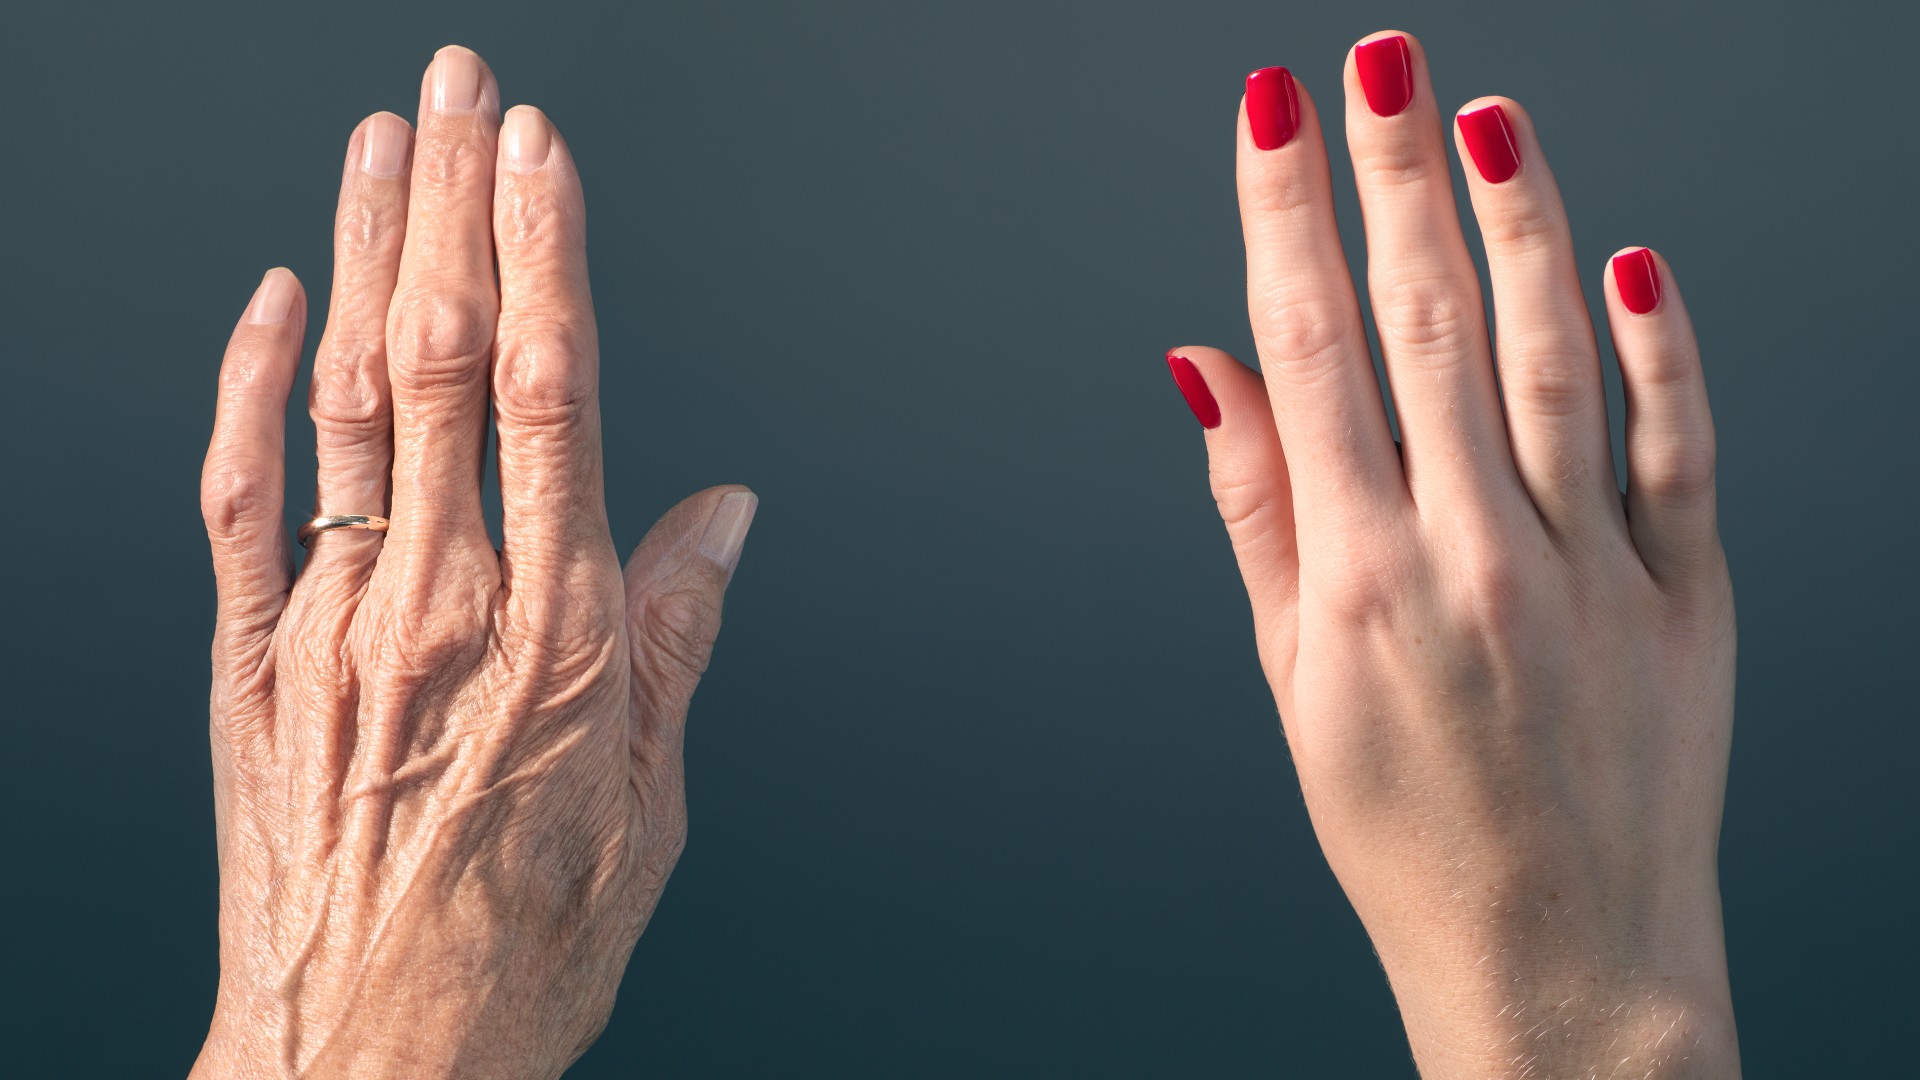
x=985, y=778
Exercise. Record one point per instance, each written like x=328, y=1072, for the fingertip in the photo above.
x=275, y=298
x=1636, y=279
x=526, y=139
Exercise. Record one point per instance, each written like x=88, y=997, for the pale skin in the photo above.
x=448, y=779
x=1508, y=691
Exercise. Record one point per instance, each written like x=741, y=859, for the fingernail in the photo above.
x=1273, y=110
x=456, y=80
x=1637, y=277
x=1490, y=142
x=273, y=300
x=1194, y=389
x=384, y=146
x=1386, y=74
x=527, y=140
x=727, y=529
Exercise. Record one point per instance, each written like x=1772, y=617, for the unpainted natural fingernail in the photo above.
x=384, y=146
x=527, y=139
x=273, y=300
x=727, y=529
x=456, y=80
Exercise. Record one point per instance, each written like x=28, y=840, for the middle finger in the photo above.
x=1426, y=296
x=440, y=329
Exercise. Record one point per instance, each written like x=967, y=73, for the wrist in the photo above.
x=1558, y=1000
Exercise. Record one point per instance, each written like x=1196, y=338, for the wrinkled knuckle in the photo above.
x=530, y=217
x=679, y=627
x=433, y=638
x=1304, y=337
x=448, y=162
x=441, y=336
x=545, y=369
x=364, y=230
x=237, y=499
x=246, y=370
x=1424, y=320
x=346, y=394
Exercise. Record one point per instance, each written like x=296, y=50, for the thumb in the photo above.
x=1247, y=470
x=675, y=582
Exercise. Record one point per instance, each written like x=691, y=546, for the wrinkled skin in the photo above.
x=447, y=779
x=1508, y=692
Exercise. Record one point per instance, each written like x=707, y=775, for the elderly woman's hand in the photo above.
x=1509, y=697
x=447, y=779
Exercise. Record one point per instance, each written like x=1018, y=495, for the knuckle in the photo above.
x=1306, y=335
x=347, y=395
x=1282, y=195
x=1367, y=569
x=1677, y=469
x=1672, y=369
x=1552, y=382
x=544, y=368
x=365, y=232
x=679, y=627
x=1429, y=320
x=1525, y=226
x=449, y=162
x=249, y=368
x=534, y=216
x=441, y=335
x=1399, y=163
x=237, y=500
x=1244, y=505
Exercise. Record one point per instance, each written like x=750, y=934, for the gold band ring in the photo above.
x=311, y=529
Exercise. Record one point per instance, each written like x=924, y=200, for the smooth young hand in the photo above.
x=1508, y=694
x=447, y=779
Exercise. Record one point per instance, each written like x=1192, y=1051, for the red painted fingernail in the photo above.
x=1386, y=74
x=1194, y=389
x=1273, y=112
x=1638, y=279
x=1490, y=141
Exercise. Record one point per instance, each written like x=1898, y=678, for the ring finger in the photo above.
x=351, y=404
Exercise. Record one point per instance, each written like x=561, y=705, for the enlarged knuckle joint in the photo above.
x=544, y=370
x=237, y=499
x=441, y=336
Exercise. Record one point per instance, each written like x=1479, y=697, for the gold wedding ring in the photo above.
x=311, y=529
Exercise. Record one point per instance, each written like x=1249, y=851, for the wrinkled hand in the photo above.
x=1508, y=696
x=447, y=780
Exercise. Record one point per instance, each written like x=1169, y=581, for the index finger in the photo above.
x=1306, y=318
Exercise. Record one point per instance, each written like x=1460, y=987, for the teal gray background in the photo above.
x=985, y=779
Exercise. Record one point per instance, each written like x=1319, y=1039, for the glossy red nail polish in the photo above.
x=1386, y=74
x=1637, y=277
x=1194, y=389
x=1490, y=143
x=1273, y=111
